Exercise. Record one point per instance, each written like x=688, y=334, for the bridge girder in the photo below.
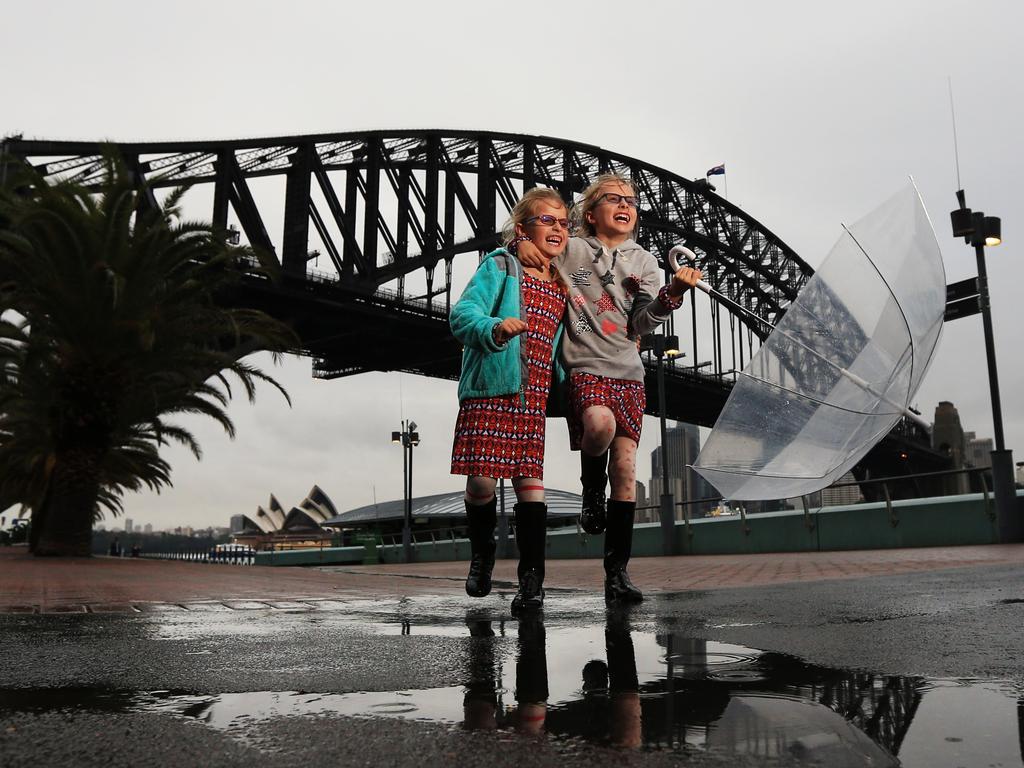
x=446, y=192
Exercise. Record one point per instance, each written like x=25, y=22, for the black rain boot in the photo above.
x=594, y=477
x=531, y=538
x=618, y=545
x=482, y=519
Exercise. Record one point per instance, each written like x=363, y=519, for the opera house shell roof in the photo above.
x=309, y=515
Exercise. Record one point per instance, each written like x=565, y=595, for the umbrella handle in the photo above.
x=691, y=257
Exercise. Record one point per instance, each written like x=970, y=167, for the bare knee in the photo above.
x=479, y=490
x=598, y=430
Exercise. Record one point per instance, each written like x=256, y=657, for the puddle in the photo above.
x=643, y=687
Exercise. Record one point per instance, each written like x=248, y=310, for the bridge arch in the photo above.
x=383, y=205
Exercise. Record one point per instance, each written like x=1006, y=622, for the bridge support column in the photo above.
x=295, y=243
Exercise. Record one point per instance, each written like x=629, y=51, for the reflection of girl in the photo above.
x=481, y=708
x=623, y=686
x=480, y=703
x=509, y=319
x=611, y=689
x=531, y=678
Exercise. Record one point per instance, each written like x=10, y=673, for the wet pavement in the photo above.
x=918, y=668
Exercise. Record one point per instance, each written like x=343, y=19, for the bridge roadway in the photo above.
x=348, y=331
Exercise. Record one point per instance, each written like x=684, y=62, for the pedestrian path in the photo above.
x=103, y=584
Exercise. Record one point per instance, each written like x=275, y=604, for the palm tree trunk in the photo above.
x=65, y=517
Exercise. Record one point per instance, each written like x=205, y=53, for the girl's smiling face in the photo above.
x=547, y=228
x=614, y=219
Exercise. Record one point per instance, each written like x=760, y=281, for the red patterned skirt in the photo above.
x=503, y=436
x=625, y=399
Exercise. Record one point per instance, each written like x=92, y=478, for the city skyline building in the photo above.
x=948, y=438
x=682, y=444
x=978, y=450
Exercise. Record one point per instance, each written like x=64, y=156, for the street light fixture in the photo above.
x=408, y=438
x=663, y=346
x=981, y=231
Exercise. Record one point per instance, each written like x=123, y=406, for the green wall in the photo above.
x=941, y=521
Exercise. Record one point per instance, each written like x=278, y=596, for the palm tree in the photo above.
x=109, y=325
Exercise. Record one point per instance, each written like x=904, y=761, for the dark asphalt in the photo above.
x=67, y=681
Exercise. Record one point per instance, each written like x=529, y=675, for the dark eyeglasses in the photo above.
x=548, y=221
x=611, y=197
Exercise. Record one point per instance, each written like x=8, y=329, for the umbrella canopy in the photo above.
x=842, y=365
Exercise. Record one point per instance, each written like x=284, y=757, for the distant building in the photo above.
x=682, y=444
x=237, y=523
x=948, y=438
x=1020, y=473
x=127, y=525
x=850, y=494
x=444, y=514
x=147, y=528
x=978, y=450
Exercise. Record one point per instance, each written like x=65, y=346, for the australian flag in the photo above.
x=718, y=170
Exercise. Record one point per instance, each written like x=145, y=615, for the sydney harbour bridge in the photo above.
x=372, y=232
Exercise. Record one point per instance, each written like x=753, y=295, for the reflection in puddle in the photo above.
x=631, y=688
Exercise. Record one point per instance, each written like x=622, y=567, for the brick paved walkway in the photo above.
x=29, y=584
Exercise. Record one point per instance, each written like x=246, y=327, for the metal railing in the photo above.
x=222, y=557
x=885, y=484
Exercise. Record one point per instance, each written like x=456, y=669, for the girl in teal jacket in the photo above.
x=509, y=320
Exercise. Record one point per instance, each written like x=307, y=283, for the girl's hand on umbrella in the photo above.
x=507, y=328
x=683, y=280
x=529, y=255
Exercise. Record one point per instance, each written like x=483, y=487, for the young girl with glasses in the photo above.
x=615, y=296
x=509, y=320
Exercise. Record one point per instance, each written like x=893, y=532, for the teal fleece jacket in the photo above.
x=489, y=368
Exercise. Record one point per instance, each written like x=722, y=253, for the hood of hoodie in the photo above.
x=627, y=245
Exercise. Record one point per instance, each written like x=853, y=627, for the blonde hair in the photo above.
x=591, y=197
x=524, y=210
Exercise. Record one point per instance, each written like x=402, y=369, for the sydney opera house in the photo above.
x=301, y=526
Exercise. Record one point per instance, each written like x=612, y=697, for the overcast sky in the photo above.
x=819, y=111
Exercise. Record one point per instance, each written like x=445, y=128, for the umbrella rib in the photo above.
x=758, y=473
x=896, y=301
x=805, y=396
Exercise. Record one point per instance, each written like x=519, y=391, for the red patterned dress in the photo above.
x=501, y=436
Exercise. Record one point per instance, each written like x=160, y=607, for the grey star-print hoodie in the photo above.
x=612, y=300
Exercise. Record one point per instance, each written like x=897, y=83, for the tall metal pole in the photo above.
x=990, y=351
x=1007, y=515
x=408, y=503
x=406, y=527
x=667, y=509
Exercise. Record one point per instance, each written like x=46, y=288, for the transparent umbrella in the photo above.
x=841, y=367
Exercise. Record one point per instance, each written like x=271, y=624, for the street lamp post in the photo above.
x=408, y=438
x=981, y=231
x=664, y=346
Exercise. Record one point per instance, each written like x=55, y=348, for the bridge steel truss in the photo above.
x=384, y=205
